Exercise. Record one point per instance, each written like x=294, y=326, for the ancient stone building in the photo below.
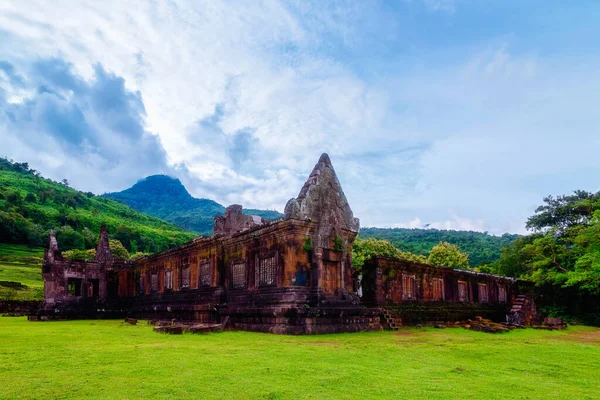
x=290, y=276
x=420, y=293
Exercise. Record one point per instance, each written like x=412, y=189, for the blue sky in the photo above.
x=457, y=114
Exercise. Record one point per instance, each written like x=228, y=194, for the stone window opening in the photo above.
x=169, y=279
x=483, y=293
x=501, y=294
x=93, y=288
x=463, y=295
x=185, y=277
x=267, y=271
x=205, y=274
x=154, y=282
x=408, y=287
x=238, y=275
x=74, y=286
x=142, y=284
x=437, y=289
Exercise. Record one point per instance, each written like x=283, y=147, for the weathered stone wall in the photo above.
x=418, y=312
x=19, y=307
x=385, y=283
x=300, y=298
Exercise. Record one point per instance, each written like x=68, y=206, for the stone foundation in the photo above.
x=300, y=310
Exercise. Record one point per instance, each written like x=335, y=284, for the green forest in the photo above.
x=31, y=205
x=481, y=248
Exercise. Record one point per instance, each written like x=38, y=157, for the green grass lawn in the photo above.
x=110, y=359
x=21, y=264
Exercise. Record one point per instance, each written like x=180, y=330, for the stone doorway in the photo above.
x=331, y=276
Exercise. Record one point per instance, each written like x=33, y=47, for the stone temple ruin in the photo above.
x=292, y=276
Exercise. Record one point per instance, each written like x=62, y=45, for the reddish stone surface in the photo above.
x=411, y=293
x=233, y=221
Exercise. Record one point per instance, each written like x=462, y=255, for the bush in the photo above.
x=30, y=198
x=117, y=249
x=448, y=255
x=80, y=255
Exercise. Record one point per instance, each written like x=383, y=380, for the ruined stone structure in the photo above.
x=291, y=276
x=419, y=293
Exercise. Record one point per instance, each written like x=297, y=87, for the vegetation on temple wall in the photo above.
x=561, y=256
x=30, y=206
x=307, y=244
x=166, y=198
x=363, y=249
x=443, y=254
x=481, y=248
x=338, y=243
x=80, y=255
x=116, y=248
x=448, y=255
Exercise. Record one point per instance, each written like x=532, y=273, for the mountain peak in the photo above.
x=165, y=197
x=162, y=185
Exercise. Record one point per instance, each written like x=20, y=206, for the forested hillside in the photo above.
x=166, y=198
x=481, y=248
x=30, y=206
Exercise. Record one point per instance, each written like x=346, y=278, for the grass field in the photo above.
x=23, y=265
x=110, y=359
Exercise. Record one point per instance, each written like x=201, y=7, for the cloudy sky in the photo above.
x=457, y=114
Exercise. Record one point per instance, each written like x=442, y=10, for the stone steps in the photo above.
x=389, y=320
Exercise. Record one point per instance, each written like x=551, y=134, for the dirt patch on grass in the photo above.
x=592, y=337
x=404, y=333
x=328, y=344
x=160, y=344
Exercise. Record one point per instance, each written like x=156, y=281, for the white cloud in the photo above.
x=448, y=6
x=456, y=223
x=481, y=136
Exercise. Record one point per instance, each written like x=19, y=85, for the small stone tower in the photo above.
x=52, y=254
x=103, y=253
x=322, y=201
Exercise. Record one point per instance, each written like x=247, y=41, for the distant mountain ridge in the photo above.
x=165, y=197
x=30, y=206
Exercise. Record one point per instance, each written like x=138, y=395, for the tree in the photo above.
x=513, y=262
x=564, y=212
x=13, y=197
x=90, y=238
x=448, y=255
x=30, y=198
x=563, y=257
x=68, y=238
x=124, y=234
x=117, y=249
x=134, y=246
